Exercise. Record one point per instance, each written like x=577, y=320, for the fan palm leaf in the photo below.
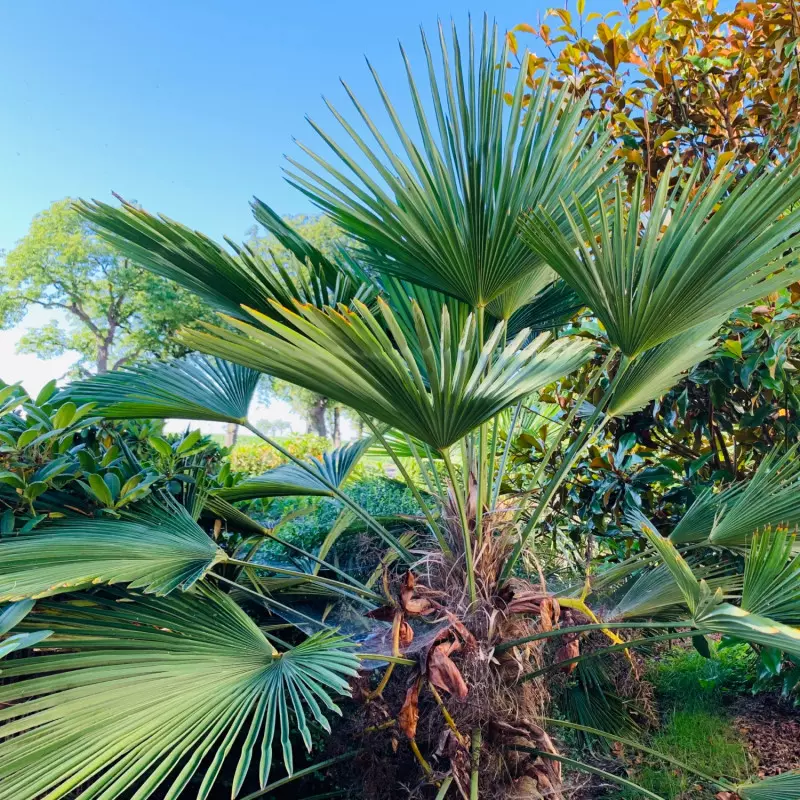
x=347, y=356
x=228, y=279
x=772, y=577
x=730, y=518
x=194, y=388
x=658, y=369
x=442, y=212
x=704, y=248
x=156, y=552
x=289, y=480
x=710, y=613
x=154, y=691
x=777, y=787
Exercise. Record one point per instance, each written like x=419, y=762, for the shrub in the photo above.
x=256, y=457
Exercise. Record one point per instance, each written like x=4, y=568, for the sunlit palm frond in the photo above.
x=148, y=694
x=704, y=248
x=772, y=577
x=157, y=552
x=658, y=369
x=227, y=279
x=194, y=388
x=439, y=207
x=347, y=356
x=730, y=518
x=290, y=480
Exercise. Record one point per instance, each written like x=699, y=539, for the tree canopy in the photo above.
x=112, y=312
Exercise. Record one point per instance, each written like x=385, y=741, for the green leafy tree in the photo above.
x=110, y=311
x=322, y=416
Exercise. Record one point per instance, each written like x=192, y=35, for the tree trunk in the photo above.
x=337, y=429
x=316, y=416
x=102, y=359
x=231, y=434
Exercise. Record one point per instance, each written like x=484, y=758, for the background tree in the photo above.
x=678, y=78
x=112, y=312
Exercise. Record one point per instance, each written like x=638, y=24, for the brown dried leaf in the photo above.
x=568, y=650
x=443, y=673
x=408, y=717
x=406, y=634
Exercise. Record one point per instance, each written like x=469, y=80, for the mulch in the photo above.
x=770, y=727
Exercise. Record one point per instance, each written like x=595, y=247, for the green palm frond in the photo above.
x=228, y=279
x=157, y=552
x=194, y=388
x=655, y=592
x=290, y=480
x=777, y=787
x=730, y=518
x=704, y=248
x=658, y=369
x=442, y=212
x=772, y=577
x=146, y=693
x=712, y=615
x=551, y=307
x=347, y=356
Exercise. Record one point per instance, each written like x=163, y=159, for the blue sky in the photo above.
x=187, y=107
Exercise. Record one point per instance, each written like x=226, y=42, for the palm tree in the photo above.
x=475, y=238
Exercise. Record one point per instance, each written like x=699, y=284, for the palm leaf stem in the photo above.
x=301, y=774
x=435, y=471
x=462, y=513
x=440, y=795
x=292, y=573
x=661, y=637
x=432, y=524
x=271, y=602
x=599, y=626
x=420, y=466
x=588, y=432
x=476, y=759
x=720, y=782
x=579, y=765
x=360, y=512
x=553, y=446
x=504, y=458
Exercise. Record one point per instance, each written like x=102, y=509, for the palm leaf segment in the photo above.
x=290, y=480
x=10, y=616
x=705, y=248
x=157, y=691
x=156, y=552
x=228, y=280
x=730, y=518
x=710, y=614
x=347, y=356
x=190, y=388
x=443, y=214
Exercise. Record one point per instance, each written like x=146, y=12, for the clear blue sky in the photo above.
x=188, y=107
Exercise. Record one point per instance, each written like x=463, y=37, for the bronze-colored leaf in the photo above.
x=408, y=717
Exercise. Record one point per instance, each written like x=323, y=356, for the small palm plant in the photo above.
x=474, y=239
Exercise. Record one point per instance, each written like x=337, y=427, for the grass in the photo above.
x=691, y=692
